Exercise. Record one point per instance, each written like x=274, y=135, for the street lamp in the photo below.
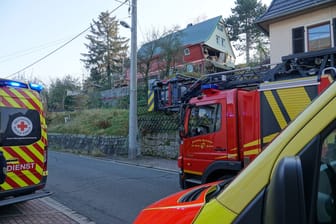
x=133, y=120
x=124, y=24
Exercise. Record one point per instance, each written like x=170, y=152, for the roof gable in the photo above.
x=192, y=34
x=200, y=32
x=285, y=8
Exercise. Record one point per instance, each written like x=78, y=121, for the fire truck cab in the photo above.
x=224, y=130
x=233, y=115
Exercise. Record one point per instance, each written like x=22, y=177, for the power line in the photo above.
x=31, y=50
x=63, y=45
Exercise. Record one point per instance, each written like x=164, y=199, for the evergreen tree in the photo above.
x=241, y=25
x=106, y=51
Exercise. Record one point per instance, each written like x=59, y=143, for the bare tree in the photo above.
x=147, y=52
x=161, y=50
x=171, y=48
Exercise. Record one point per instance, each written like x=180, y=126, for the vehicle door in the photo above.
x=205, y=139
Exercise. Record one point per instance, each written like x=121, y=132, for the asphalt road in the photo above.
x=106, y=191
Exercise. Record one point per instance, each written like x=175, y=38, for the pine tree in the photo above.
x=106, y=51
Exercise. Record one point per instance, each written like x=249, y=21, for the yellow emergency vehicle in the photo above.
x=292, y=181
x=23, y=142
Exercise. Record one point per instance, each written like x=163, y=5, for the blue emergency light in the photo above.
x=209, y=86
x=33, y=86
x=209, y=89
x=5, y=82
x=36, y=87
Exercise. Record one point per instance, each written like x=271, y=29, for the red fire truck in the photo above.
x=227, y=118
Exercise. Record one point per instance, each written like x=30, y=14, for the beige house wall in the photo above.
x=281, y=32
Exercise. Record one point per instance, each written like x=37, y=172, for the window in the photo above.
x=298, y=40
x=223, y=42
x=326, y=210
x=186, y=51
x=19, y=126
x=204, y=119
x=220, y=27
x=319, y=37
x=218, y=39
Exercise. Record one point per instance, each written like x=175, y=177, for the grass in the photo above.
x=89, y=122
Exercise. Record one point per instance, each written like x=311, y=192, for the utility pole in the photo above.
x=133, y=120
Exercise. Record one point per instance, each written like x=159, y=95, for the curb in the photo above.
x=66, y=211
x=146, y=165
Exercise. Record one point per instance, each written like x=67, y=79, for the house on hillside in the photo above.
x=296, y=26
x=205, y=48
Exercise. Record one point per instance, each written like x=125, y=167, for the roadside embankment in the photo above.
x=163, y=145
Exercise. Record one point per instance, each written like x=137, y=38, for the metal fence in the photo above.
x=147, y=121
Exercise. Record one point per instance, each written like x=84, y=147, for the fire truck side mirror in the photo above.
x=182, y=132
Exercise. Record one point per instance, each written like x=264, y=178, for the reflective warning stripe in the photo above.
x=294, y=100
x=150, y=102
x=25, y=163
x=193, y=172
x=19, y=98
x=269, y=138
x=24, y=155
x=14, y=181
x=281, y=106
x=276, y=109
x=32, y=177
x=251, y=152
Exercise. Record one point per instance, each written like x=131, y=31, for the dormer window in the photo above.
x=186, y=51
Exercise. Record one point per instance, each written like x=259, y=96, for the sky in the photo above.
x=33, y=29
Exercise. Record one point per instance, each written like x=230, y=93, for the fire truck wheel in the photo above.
x=3, y=168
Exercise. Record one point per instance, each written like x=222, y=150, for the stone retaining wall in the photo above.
x=88, y=144
x=160, y=144
x=165, y=145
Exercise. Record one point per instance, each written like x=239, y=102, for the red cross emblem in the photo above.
x=22, y=126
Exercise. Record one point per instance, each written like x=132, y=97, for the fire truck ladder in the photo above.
x=168, y=94
x=292, y=66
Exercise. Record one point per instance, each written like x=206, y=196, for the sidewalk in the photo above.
x=49, y=211
x=43, y=210
x=151, y=162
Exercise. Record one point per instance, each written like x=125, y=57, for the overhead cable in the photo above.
x=63, y=45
